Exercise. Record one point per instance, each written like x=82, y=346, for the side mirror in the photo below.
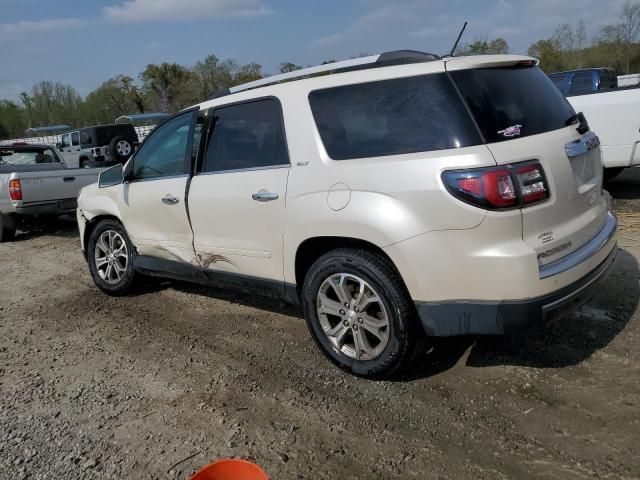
x=59, y=146
x=110, y=177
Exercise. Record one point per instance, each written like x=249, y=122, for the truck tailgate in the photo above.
x=54, y=185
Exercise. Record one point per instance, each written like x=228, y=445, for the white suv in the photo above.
x=400, y=196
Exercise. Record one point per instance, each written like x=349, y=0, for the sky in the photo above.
x=85, y=42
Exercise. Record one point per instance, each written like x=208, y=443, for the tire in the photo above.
x=611, y=173
x=85, y=163
x=119, y=280
x=360, y=270
x=121, y=148
x=7, y=228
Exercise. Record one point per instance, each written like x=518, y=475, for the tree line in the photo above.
x=169, y=87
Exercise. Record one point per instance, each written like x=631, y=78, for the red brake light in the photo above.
x=498, y=188
x=15, y=190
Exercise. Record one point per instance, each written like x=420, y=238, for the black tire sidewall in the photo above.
x=124, y=286
x=7, y=228
x=391, y=357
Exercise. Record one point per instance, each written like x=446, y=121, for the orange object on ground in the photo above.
x=230, y=470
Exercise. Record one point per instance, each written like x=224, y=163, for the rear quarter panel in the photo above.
x=382, y=200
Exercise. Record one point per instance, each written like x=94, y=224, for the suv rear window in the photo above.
x=391, y=117
x=512, y=102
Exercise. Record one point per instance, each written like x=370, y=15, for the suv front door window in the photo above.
x=164, y=152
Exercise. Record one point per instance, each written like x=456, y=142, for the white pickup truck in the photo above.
x=35, y=182
x=615, y=116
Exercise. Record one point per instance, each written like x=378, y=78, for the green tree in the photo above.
x=12, y=120
x=549, y=54
x=164, y=85
x=482, y=46
x=287, y=67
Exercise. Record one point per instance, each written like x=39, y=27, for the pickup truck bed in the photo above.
x=615, y=117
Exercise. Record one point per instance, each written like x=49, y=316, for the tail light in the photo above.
x=499, y=188
x=15, y=190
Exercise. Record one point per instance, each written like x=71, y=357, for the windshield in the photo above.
x=27, y=156
x=512, y=102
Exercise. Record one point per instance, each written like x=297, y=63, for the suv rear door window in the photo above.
x=512, y=102
x=85, y=138
x=392, y=117
x=581, y=82
x=246, y=135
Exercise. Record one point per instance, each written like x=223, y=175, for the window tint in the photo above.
x=558, y=81
x=581, y=82
x=391, y=117
x=164, y=152
x=608, y=80
x=247, y=135
x=66, y=141
x=512, y=102
x=75, y=139
x=85, y=137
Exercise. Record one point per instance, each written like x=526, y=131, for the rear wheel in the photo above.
x=360, y=314
x=110, y=254
x=7, y=228
x=84, y=163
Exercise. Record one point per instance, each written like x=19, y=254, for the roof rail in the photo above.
x=397, y=57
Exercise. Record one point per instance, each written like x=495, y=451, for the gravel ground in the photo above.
x=159, y=383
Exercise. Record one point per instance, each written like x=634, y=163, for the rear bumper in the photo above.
x=475, y=317
x=56, y=207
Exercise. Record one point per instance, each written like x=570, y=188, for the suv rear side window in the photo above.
x=392, y=117
x=581, y=82
x=512, y=102
x=246, y=135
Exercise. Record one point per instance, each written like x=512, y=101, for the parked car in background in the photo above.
x=35, y=182
x=612, y=112
x=615, y=116
x=393, y=196
x=589, y=80
x=100, y=146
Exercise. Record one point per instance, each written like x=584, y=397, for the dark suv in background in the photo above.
x=98, y=146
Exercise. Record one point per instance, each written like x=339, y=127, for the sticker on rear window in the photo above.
x=511, y=131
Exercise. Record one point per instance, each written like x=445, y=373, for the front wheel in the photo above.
x=360, y=314
x=7, y=228
x=110, y=254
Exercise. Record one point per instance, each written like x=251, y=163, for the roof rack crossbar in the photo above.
x=329, y=67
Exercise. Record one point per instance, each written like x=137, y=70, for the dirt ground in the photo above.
x=157, y=384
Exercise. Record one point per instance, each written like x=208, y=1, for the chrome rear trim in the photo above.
x=583, y=253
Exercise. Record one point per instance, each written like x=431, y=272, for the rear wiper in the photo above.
x=583, y=125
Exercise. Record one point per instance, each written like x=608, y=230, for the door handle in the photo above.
x=264, y=196
x=170, y=200
x=69, y=179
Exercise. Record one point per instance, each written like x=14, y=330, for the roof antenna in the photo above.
x=455, y=45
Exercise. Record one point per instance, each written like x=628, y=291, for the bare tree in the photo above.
x=581, y=38
x=630, y=25
x=566, y=40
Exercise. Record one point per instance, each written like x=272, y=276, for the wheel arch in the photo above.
x=91, y=225
x=313, y=248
